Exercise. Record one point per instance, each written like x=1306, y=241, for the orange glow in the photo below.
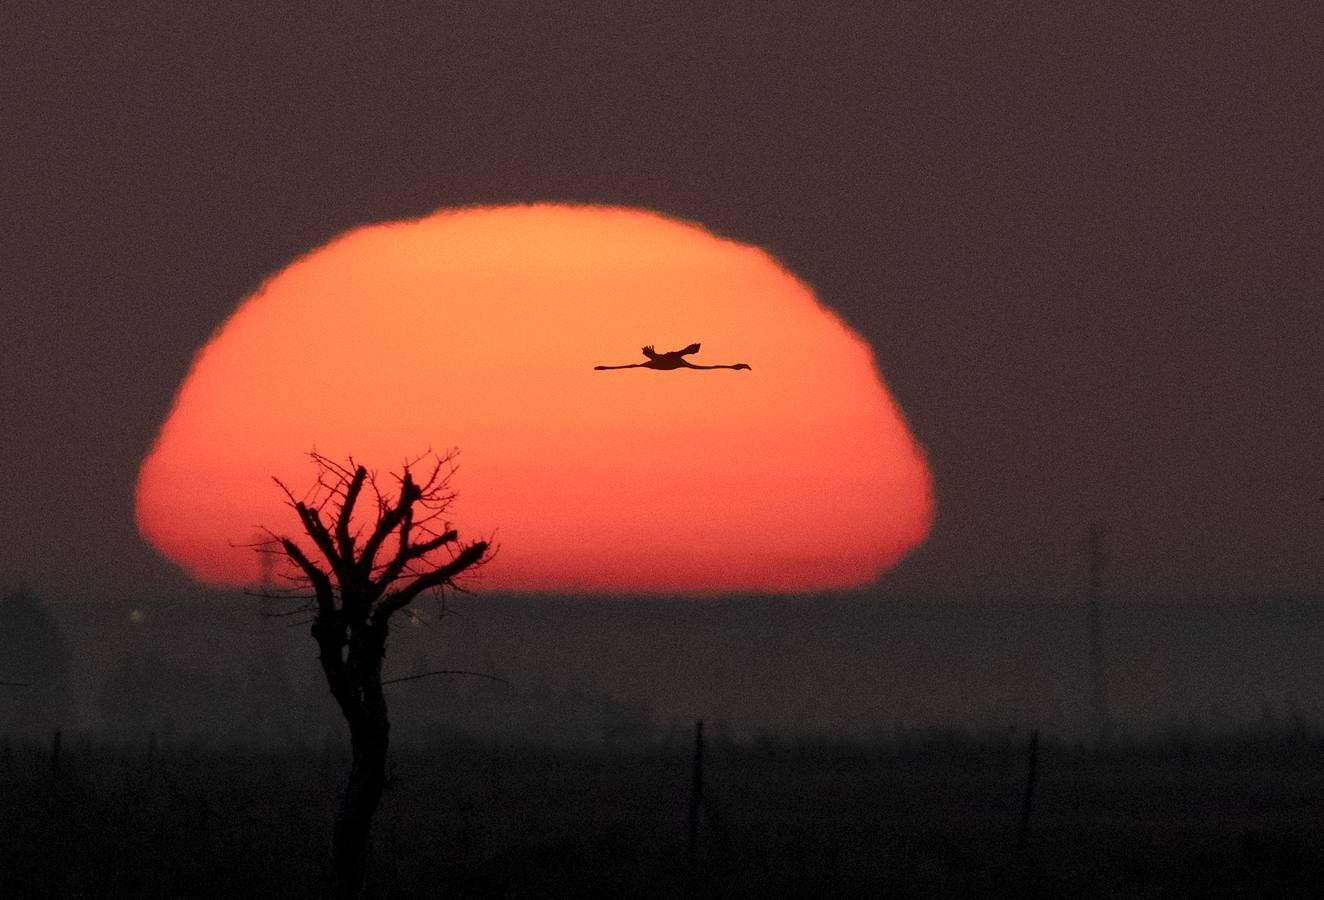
x=479, y=329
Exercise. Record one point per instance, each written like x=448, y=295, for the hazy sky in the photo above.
x=1083, y=238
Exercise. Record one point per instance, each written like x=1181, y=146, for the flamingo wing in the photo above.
x=650, y=352
x=692, y=348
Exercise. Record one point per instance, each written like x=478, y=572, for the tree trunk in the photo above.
x=356, y=683
x=353, y=827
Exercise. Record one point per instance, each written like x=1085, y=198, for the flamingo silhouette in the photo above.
x=673, y=360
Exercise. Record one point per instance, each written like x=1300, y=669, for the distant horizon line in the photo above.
x=837, y=597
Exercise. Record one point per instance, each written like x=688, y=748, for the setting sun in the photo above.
x=480, y=329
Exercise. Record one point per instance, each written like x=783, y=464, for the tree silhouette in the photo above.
x=366, y=567
x=34, y=668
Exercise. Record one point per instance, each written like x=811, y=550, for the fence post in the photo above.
x=696, y=801
x=1097, y=560
x=1031, y=781
x=55, y=754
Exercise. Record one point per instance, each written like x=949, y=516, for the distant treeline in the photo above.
x=589, y=673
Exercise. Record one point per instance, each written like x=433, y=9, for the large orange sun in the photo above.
x=480, y=329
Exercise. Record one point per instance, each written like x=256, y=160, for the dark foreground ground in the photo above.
x=931, y=816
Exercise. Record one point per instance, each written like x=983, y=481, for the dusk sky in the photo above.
x=1083, y=240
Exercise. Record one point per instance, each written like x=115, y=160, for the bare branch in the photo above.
x=408, y=553
x=389, y=521
x=326, y=463
x=289, y=494
x=406, y=530
x=343, y=537
x=486, y=675
x=443, y=575
x=298, y=590
x=320, y=581
x=287, y=613
x=312, y=523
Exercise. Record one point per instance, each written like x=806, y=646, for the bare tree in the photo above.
x=367, y=566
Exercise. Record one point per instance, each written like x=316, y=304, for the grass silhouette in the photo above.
x=936, y=814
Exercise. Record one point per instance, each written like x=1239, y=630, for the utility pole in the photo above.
x=268, y=607
x=267, y=676
x=267, y=564
x=696, y=802
x=1095, y=565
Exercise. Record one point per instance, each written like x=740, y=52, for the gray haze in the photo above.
x=625, y=672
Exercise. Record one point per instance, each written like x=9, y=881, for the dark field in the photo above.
x=931, y=815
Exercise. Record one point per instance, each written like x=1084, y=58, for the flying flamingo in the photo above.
x=673, y=360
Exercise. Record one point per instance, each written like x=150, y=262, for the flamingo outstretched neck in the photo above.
x=675, y=359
